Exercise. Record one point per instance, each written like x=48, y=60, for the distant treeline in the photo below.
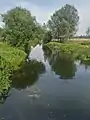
x=82, y=36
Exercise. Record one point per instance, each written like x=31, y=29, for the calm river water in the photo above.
x=48, y=87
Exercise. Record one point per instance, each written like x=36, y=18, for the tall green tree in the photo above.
x=88, y=32
x=39, y=32
x=63, y=22
x=47, y=37
x=21, y=27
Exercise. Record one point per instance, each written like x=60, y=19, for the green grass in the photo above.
x=10, y=59
x=79, y=50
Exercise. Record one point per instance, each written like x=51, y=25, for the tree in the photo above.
x=47, y=37
x=63, y=22
x=88, y=32
x=20, y=27
x=1, y=33
x=39, y=32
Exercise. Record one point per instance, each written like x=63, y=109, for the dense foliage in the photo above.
x=79, y=51
x=47, y=37
x=21, y=28
x=10, y=60
x=63, y=22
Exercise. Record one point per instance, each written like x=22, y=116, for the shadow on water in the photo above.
x=61, y=64
x=28, y=74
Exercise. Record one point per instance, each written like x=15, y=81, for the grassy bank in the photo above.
x=80, y=50
x=10, y=60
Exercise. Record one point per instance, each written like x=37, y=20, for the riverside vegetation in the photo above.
x=78, y=51
x=21, y=31
x=63, y=26
x=10, y=59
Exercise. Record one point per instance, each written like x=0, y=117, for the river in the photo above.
x=48, y=87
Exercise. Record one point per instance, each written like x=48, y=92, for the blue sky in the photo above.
x=42, y=9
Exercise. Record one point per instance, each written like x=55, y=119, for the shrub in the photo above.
x=10, y=60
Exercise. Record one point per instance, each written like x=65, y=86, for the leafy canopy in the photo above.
x=21, y=27
x=47, y=37
x=63, y=22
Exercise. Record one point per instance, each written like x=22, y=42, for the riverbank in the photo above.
x=78, y=50
x=10, y=59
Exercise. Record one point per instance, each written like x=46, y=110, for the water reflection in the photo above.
x=64, y=67
x=47, y=53
x=61, y=64
x=28, y=74
x=50, y=98
x=85, y=63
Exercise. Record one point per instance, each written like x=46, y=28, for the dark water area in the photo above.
x=48, y=87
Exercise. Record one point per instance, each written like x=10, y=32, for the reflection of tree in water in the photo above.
x=47, y=53
x=28, y=74
x=64, y=67
x=62, y=64
x=85, y=63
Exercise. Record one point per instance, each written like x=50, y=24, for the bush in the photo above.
x=78, y=51
x=10, y=60
x=47, y=37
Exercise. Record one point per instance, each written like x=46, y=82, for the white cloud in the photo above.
x=43, y=13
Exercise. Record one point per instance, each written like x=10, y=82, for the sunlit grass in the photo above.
x=80, y=50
